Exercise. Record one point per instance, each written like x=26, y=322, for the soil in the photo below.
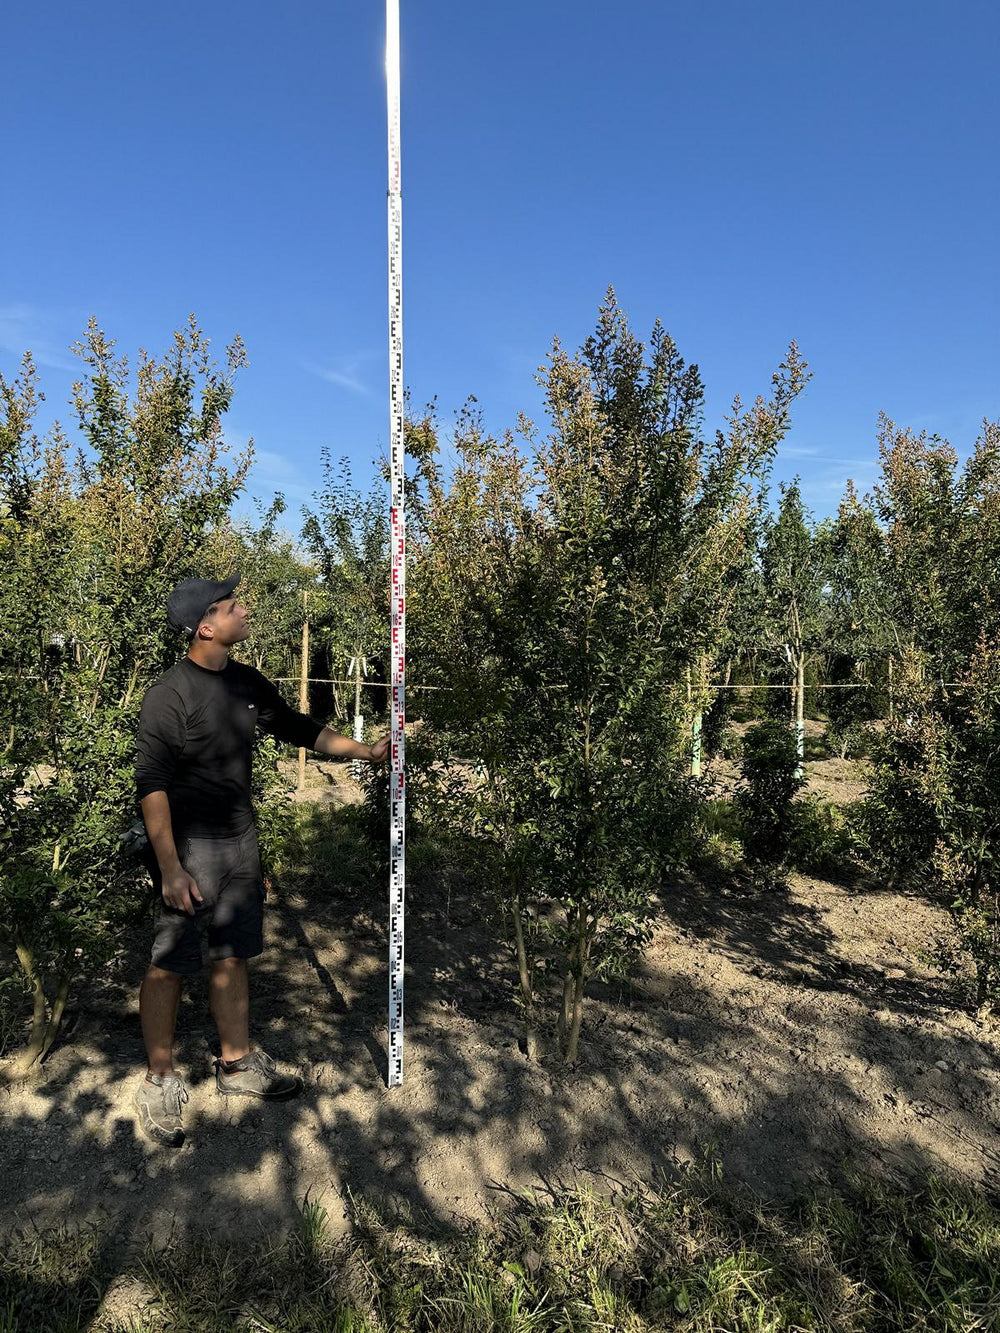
x=835, y=779
x=796, y=1032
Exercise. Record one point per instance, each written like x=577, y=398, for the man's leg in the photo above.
x=242, y=1071
x=159, y=996
x=229, y=999
x=236, y=933
x=160, y=1096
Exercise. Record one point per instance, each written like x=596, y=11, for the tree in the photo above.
x=90, y=545
x=275, y=575
x=771, y=776
x=348, y=537
x=796, y=612
x=554, y=596
x=930, y=816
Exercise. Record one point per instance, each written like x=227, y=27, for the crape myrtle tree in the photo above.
x=722, y=617
x=931, y=816
x=863, y=631
x=796, y=619
x=91, y=542
x=559, y=580
x=347, y=535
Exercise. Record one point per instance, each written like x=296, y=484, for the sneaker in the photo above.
x=158, y=1100
x=255, y=1075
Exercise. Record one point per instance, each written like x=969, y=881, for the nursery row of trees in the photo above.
x=577, y=589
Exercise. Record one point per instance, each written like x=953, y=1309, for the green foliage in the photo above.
x=348, y=537
x=931, y=815
x=271, y=801
x=926, y=566
x=90, y=546
x=793, y=576
x=821, y=839
x=277, y=586
x=795, y=611
x=719, y=851
x=715, y=721
x=770, y=763
x=557, y=594
x=849, y=711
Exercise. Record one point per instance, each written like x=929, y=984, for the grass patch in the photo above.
x=822, y=838
x=692, y=1256
x=322, y=845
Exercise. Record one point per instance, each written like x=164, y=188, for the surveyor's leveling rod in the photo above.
x=397, y=800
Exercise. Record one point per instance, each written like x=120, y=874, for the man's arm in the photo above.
x=342, y=747
x=275, y=716
x=179, y=889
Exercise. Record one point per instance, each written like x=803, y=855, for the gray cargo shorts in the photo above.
x=229, y=922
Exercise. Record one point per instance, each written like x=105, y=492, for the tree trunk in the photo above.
x=892, y=700
x=573, y=1043
x=566, y=1013
x=526, y=971
x=58, y=1006
x=983, y=1006
x=697, y=718
x=40, y=1013
x=694, y=714
x=579, y=980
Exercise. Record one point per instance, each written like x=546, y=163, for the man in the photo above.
x=193, y=764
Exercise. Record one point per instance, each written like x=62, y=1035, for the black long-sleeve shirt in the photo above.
x=195, y=743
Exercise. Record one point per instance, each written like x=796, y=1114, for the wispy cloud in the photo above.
x=27, y=328
x=275, y=472
x=346, y=373
x=270, y=471
x=811, y=454
x=845, y=462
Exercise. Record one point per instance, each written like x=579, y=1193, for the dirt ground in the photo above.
x=835, y=779
x=795, y=1031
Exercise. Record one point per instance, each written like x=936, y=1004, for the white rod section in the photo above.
x=397, y=800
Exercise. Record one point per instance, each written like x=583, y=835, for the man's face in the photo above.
x=228, y=621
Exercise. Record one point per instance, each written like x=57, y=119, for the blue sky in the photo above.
x=747, y=173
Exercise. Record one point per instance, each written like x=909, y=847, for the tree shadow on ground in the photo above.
x=777, y=935
x=787, y=1072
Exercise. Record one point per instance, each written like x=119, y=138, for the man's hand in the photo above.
x=180, y=891
x=379, y=751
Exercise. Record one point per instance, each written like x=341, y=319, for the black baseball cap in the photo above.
x=187, y=604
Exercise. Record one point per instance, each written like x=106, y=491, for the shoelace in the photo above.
x=174, y=1094
x=264, y=1062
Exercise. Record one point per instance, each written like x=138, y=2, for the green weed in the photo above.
x=693, y=1255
